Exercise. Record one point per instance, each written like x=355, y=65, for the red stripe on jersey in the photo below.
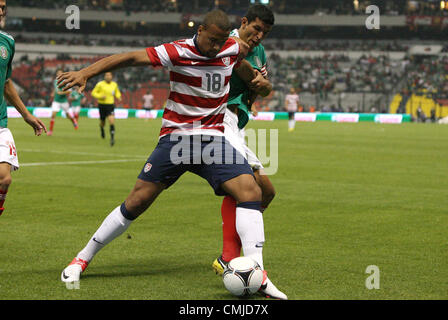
x=226, y=80
x=191, y=81
x=172, y=52
x=210, y=103
x=215, y=119
x=168, y=130
x=189, y=47
x=217, y=62
x=153, y=56
x=230, y=42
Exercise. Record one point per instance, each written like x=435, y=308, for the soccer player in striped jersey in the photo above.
x=8, y=153
x=192, y=126
x=255, y=26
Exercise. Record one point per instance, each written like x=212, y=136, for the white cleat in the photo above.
x=270, y=291
x=73, y=271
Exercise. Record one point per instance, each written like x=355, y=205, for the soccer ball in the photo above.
x=242, y=277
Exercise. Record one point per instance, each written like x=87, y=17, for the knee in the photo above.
x=5, y=181
x=269, y=194
x=251, y=192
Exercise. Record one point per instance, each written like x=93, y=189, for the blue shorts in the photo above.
x=210, y=157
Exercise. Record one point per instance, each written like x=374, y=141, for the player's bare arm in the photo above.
x=13, y=97
x=79, y=78
x=261, y=85
x=254, y=79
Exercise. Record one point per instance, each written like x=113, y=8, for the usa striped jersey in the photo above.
x=199, y=86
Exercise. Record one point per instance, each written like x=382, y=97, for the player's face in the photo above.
x=254, y=32
x=2, y=9
x=108, y=77
x=211, y=39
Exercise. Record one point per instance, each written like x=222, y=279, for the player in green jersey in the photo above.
x=8, y=153
x=60, y=101
x=255, y=26
x=76, y=99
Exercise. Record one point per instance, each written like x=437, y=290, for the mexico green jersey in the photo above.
x=76, y=98
x=61, y=98
x=239, y=92
x=7, y=49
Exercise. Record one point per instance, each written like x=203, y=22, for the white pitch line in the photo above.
x=83, y=153
x=38, y=164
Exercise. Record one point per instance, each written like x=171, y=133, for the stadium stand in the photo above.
x=338, y=69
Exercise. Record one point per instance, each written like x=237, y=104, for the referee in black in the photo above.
x=106, y=92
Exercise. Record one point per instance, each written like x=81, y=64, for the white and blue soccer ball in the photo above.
x=242, y=277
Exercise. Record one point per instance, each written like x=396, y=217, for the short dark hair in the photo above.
x=261, y=12
x=219, y=18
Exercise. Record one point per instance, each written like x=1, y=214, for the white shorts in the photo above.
x=57, y=106
x=76, y=109
x=236, y=137
x=8, y=152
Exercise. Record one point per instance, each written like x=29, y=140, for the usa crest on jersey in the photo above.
x=148, y=167
x=226, y=61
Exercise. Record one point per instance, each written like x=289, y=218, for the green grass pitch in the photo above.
x=348, y=196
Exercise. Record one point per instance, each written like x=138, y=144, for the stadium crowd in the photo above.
x=335, y=7
x=324, y=76
x=269, y=44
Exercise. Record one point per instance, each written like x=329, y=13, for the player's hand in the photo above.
x=255, y=112
x=68, y=80
x=259, y=83
x=36, y=123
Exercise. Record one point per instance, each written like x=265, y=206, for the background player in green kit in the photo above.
x=76, y=99
x=8, y=153
x=255, y=26
x=60, y=101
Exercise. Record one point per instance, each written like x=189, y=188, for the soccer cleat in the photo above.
x=219, y=265
x=49, y=133
x=269, y=290
x=290, y=129
x=112, y=141
x=73, y=271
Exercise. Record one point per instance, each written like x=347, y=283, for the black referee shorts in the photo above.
x=106, y=110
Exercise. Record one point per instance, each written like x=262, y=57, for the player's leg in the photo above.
x=76, y=112
x=231, y=241
x=267, y=188
x=231, y=247
x=157, y=174
x=291, y=121
x=103, y=115
x=8, y=162
x=55, y=108
x=111, y=119
x=249, y=224
x=69, y=114
x=118, y=221
x=5, y=182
